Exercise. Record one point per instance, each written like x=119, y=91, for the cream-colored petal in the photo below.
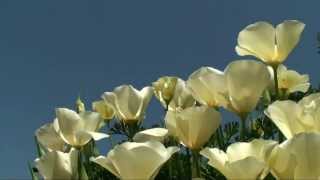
x=292, y=81
x=258, y=148
x=157, y=134
x=164, y=89
x=195, y=125
x=80, y=138
x=248, y=168
x=110, y=98
x=97, y=135
x=207, y=84
x=217, y=159
x=129, y=102
x=49, y=138
x=182, y=97
x=287, y=37
x=297, y=157
x=105, y=110
x=170, y=122
x=282, y=163
x=300, y=88
x=305, y=147
x=146, y=94
x=106, y=163
x=58, y=165
x=139, y=160
x=246, y=80
x=286, y=115
x=258, y=40
x=91, y=120
x=69, y=124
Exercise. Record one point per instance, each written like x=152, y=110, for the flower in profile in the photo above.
x=104, y=109
x=49, y=138
x=78, y=129
x=155, y=134
x=246, y=80
x=129, y=103
x=243, y=160
x=164, y=89
x=294, y=118
x=297, y=158
x=58, y=165
x=290, y=81
x=182, y=98
x=132, y=160
x=193, y=126
x=208, y=87
x=173, y=93
x=268, y=43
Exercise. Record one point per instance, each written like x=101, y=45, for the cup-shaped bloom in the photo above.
x=164, y=89
x=242, y=160
x=129, y=103
x=208, y=86
x=132, y=160
x=105, y=110
x=49, y=138
x=173, y=93
x=78, y=129
x=246, y=80
x=193, y=126
x=154, y=134
x=290, y=81
x=294, y=118
x=270, y=44
x=58, y=165
x=297, y=158
x=182, y=97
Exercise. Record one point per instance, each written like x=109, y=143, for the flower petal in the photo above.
x=246, y=80
x=69, y=124
x=258, y=40
x=195, y=125
x=286, y=115
x=287, y=37
x=157, y=134
x=49, y=138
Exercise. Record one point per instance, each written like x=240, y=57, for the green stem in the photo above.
x=80, y=164
x=242, y=127
x=276, y=87
x=189, y=162
x=195, y=165
x=275, y=76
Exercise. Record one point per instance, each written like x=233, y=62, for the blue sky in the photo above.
x=52, y=50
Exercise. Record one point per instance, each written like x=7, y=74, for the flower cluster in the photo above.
x=277, y=134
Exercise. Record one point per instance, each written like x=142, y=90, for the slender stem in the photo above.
x=275, y=76
x=242, y=127
x=195, y=165
x=189, y=162
x=276, y=87
x=179, y=164
x=80, y=164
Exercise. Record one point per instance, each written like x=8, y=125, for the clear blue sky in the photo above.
x=51, y=50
